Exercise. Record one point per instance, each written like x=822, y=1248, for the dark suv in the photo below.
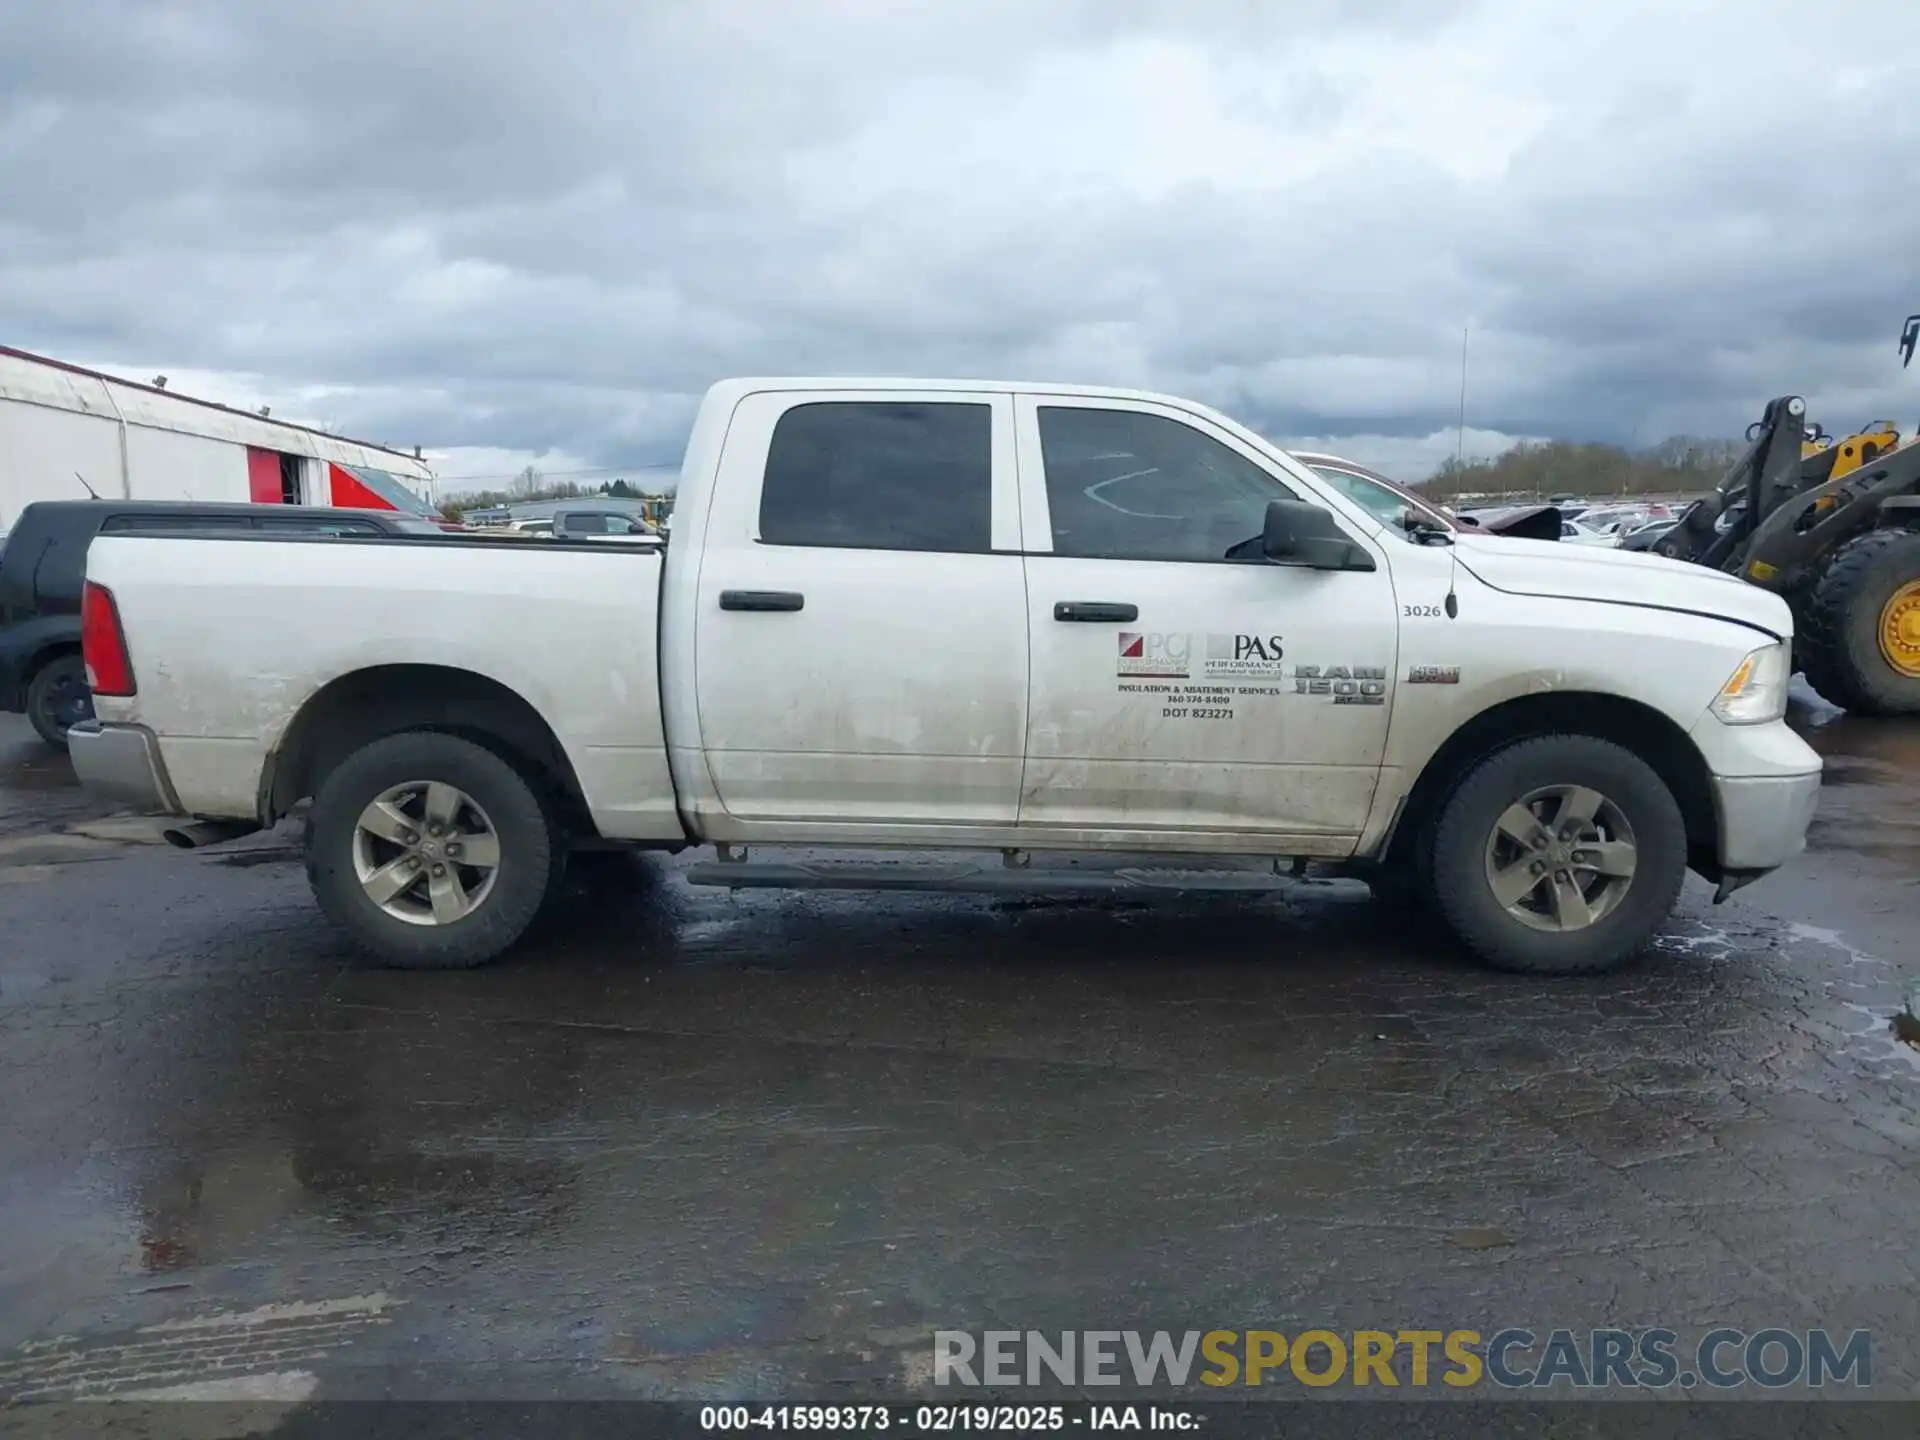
x=44, y=559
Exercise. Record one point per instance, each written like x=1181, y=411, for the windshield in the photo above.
x=1382, y=499
x=390, y=488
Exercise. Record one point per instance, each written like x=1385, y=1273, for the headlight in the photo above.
x=1757, y=690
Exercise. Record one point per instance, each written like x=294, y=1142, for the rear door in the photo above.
x=861, y=631
x=1174, y=689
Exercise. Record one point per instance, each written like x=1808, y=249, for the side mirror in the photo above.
x=1297, y=533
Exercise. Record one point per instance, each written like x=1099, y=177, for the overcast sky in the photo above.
x=511, y=231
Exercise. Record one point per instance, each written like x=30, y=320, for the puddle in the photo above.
x=38, y=778
x=1709, y=944
x=248, y=859
x=1882, y=1037
x=50, y=849
x=1906, y=1028
x=124, y=829
x=1873, y=1000
x=19, y=985
x=1819, y=935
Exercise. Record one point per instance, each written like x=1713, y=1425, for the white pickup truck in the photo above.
x=962, y=616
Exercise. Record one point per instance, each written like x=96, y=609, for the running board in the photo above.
x=976, y=879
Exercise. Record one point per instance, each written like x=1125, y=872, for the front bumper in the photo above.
x=1763, y=819
x=122, y=763
x=1765, y=781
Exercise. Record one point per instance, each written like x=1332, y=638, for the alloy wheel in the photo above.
x=1561, y=858
x=426, y=853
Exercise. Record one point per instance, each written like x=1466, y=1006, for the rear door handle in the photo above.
x=1095, y=611
x=761, y=600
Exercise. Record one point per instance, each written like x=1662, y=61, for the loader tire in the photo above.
x=1861, y=649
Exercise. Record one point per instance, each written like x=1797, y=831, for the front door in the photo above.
x=861, y=633
x=1174, y=689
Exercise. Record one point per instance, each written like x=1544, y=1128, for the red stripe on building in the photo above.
x=263, y=476
x=350, y=494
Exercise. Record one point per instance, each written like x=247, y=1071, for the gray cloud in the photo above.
x=544, y=229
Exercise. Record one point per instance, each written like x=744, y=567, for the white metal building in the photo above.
x=65, y=431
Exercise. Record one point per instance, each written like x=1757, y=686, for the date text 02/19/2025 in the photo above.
x=946, y=1419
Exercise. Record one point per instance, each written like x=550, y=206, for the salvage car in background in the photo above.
x=1647, y=536
x=1575, y=532
x=1388, y=502
x=1396, y=504
x=610, y=525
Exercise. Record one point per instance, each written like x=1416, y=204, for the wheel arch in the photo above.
x=365, y=705
x=1634, y=726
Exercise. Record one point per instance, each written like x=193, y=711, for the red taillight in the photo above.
x=102, y=644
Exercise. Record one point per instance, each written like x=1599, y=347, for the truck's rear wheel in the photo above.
x=1561, y=855
x=431, y=851
x=1862, y=640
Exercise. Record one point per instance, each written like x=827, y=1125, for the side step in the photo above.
x=968, y=877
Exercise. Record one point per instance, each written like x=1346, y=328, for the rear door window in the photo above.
x=881, y=475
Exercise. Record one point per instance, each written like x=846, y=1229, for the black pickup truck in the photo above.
x=44, y=557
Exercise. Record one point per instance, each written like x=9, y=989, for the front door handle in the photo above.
x=761, y=600
x=1095, y=611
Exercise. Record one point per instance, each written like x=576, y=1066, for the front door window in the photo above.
x=1127, y=485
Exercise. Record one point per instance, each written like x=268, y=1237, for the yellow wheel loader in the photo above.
x=1834, y=527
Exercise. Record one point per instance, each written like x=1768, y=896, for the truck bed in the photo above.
x=569, y=627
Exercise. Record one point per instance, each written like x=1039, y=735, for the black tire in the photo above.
x=1467, y=820
x=524, y=826
x=1841, y=645
x=57, y=698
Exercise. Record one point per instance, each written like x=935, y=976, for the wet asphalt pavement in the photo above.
x=700, y=1145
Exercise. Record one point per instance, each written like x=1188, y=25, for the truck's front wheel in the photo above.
x=1560, y=855
x=431, y=851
